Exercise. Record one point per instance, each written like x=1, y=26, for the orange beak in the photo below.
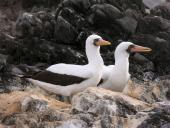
x=102, y=42
x=138, y=48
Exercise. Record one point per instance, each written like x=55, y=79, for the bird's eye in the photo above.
x=129, y=48
x=96, y=40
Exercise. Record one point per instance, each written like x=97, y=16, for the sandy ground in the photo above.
x=11, y=102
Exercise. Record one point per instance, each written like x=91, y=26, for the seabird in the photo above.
x=68, y=79
x=115, y=77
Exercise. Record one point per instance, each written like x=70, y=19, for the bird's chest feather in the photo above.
x=119, y=78
x=96, y=74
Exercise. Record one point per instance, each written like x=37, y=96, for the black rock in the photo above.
x=153, y=25
x=46, y=3
x=162, y=10
x=128, y=24
x=58, y=37
x=48, y=22
x=28, y=25
x=104, y=14
x=39, y=25
x=74, y=18
x=3, y=59
x=126, y=4
x=81, y=5
x=136, y=14
x=160, y=51
x=160, y=47
x=64, y=32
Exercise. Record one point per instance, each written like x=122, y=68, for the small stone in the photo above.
x=33, y=105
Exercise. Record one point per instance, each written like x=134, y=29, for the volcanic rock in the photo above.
x=95, y=107
x=162, y=10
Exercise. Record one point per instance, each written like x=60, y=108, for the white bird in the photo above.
x=68, y=79
x=115, y=77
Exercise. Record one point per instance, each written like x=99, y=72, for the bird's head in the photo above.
x=93, y=44
x=125, y=48
x=96, y=41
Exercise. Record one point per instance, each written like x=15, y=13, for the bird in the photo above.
x=115, y=77
x=68, y=79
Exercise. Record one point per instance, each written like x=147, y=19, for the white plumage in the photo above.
x=90, y=73
x=115, y=77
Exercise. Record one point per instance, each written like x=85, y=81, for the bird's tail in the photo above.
x=57, y=89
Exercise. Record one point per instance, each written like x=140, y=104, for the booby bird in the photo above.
x=68, y=79
x=115, y=77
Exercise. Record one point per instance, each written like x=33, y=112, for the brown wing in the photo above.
x=57, y=79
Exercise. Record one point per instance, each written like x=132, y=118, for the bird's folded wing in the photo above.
x=62, y=74
x=69, y=69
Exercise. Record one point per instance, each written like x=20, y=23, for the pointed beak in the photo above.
x=102, y=42
x=138, y=48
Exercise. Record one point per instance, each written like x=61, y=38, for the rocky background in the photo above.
x=38, y=33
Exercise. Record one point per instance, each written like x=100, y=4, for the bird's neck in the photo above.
x=122, y=63
x=94, y=57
